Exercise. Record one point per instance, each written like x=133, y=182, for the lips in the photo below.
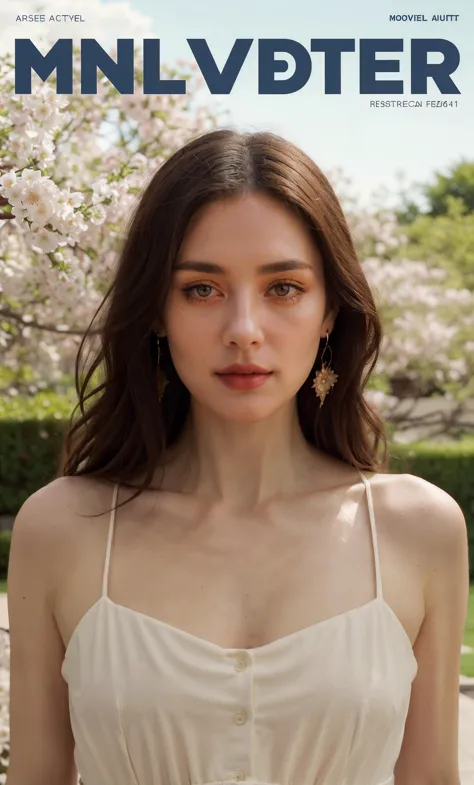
x=244, y=377
x=241, y=369
x=242, y=373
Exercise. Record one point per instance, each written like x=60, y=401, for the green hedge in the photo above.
x=5, y=538
x=449, y=465
x=29, y=450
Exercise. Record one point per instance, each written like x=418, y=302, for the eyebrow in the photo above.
x=271, y=267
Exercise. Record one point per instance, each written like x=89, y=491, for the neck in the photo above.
x=244, y=464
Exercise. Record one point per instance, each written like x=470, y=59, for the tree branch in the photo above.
x=5, y=216
x=6, y=314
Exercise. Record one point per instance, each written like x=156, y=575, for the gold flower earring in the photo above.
x=325, y=378
x=162, y=381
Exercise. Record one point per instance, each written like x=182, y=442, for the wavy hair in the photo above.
x=123, y=430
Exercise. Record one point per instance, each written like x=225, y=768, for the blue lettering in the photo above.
x=268, y=66
x=152, y=83
x=120, y=73
x=28, y=58
x=220, y=83
x=439, y=72
x=332, y=48
x=370, y=66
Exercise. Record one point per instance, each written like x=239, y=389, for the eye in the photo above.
x=286, y=291
x=284, y=288
x=198, y=291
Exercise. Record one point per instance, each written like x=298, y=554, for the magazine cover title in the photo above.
x=431, y=61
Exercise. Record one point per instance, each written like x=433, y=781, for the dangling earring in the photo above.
x=325, y=378
x=162, y=381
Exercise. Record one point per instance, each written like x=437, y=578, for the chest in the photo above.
x=237, y=581
x=248, y=577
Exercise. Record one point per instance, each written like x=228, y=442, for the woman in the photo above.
x=226, y=584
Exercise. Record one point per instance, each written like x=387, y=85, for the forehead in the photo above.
x=255, y=228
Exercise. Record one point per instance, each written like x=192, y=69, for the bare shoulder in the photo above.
x=46, y=527
x=423, y=515
x=49, y=510
x=413, y=498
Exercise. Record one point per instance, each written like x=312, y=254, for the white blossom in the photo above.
x=97, y=214
x=43, y=240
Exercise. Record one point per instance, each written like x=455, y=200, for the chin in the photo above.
x=246, y=411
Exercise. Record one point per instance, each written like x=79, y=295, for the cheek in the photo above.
x=299, y=324
x=189, y=332
x=191, y=339
x=182, y=314
x=298, y=341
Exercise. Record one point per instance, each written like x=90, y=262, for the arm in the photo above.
x=429, y=753
x=41, y=741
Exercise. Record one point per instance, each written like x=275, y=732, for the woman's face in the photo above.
x=248, y=288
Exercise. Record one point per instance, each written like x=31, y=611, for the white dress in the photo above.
x=151, y=704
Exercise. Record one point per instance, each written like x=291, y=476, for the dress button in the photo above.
x=241, y=662
x=240, y=717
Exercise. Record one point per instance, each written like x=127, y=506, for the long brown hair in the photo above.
x=123, y=429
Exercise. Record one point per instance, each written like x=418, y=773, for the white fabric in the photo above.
x=151, y=704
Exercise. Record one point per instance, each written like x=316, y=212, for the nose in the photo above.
x=243, y=326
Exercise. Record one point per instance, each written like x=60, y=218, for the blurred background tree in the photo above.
x=438, y=221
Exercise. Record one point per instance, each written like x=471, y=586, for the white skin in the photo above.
x=243, y=447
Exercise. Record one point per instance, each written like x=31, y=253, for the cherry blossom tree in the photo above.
x=428, y=345
x=72, y=167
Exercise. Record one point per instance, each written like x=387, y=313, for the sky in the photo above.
x=371, y=145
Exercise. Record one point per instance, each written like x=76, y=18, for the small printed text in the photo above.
x=50, y=18
x=414, y=103
x=423, y=18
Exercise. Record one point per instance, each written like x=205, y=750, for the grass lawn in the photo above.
x=467, y=660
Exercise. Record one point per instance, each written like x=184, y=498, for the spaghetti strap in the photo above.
x=109, y=542
x=370, y=503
